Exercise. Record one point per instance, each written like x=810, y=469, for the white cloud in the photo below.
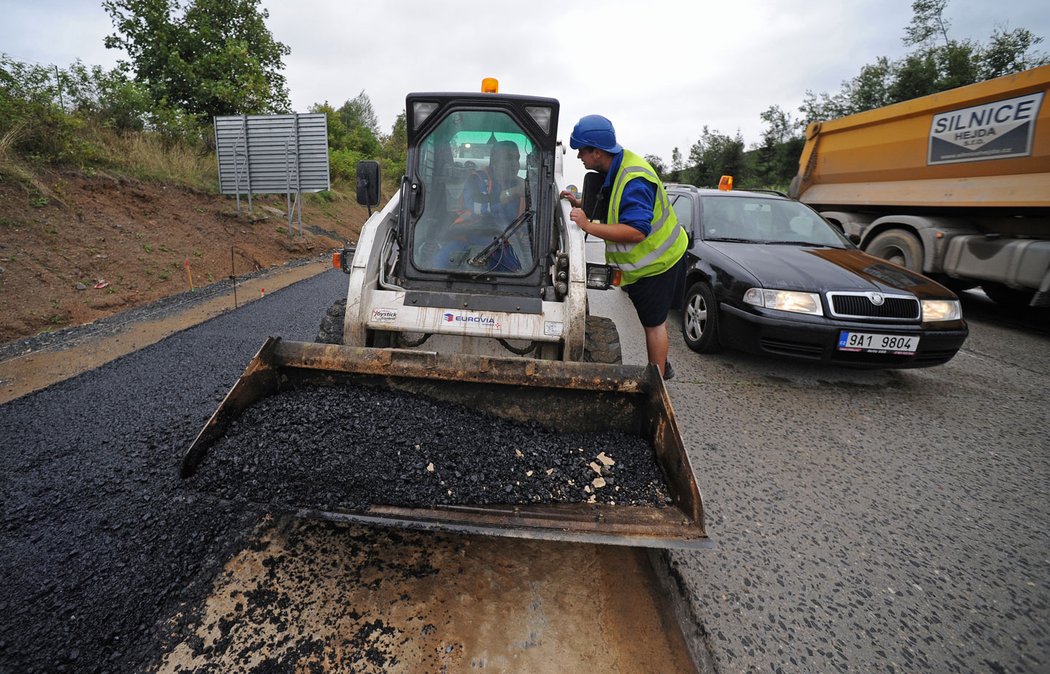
x=660, y=70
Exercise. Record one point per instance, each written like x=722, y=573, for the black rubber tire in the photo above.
x=331, y=329
x=899, y=247
x=700, y=319
x=954, y=284
x=1006, y=296
x=601, y=343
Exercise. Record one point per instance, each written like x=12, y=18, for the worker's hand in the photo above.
x=580, y=218
x=571, y=198
x=513, y=192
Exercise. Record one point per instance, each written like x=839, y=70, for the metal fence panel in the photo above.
x=272, y=154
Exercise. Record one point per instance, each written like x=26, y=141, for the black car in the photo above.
x=768, y=275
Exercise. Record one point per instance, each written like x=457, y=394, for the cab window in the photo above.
x=480, y=188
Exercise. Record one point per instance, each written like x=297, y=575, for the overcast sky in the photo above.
x=659, y=70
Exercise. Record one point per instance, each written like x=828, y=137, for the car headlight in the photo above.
x=941, y=310
x=785, y=300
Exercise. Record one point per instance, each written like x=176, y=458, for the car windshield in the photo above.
x=479, y=176
x=762, y=220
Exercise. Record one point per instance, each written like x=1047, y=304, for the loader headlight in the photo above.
x=540, y=115
x=941, y=310
x=421, y=110
x=602, y=276
x=785, y=300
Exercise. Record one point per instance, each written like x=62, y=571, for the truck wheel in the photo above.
x=700, y=319
x=1006, y=296
x=331, y=330
x=601, y=343
x=899, y=247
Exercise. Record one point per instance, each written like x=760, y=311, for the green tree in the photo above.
x=353, y=135
x=714, y=155
x=871, y=88
x=775, y=161
x=395, y=147
x=1010, y=52
x=359, y=118
x=658, y=165
x=216, y=57
x=927, y=21
x=358, y=112
x=937, y=63
x=916, y=75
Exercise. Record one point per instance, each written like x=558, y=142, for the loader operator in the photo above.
x=492, y=199
x=641, y=233
x=497, y=190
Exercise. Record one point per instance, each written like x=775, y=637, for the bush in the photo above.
x=342, y=165
x=87, y=116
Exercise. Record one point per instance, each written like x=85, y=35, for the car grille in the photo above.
x=860, y=305
x=790, y=348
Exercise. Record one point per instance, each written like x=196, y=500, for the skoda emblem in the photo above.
x=876, y=299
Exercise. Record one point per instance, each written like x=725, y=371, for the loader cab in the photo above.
x=477, y=199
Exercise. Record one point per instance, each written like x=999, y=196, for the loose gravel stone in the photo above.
x=348, y=447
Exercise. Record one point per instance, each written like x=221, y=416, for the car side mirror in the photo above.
x=368, y=183
x=855, y=238
x=592, y=186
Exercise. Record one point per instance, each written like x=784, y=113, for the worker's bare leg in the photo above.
x=656, y=345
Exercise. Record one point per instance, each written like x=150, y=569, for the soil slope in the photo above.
x=96, y=245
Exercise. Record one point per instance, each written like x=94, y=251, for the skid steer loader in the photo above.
x=470, y=286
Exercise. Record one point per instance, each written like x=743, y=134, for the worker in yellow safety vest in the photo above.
x=641, y=233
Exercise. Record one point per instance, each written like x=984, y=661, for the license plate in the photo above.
x=875, y=343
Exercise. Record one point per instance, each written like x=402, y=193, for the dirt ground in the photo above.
x=98, y=245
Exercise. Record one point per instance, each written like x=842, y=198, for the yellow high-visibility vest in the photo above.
x=665, y=244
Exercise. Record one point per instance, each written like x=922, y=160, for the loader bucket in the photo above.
x=577, y=397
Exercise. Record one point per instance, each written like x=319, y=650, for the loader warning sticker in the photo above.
x=991, y=131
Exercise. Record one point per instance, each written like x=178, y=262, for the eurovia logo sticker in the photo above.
x=470, y=319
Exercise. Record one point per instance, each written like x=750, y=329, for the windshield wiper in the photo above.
x=731, y=239
x=503, y=239
x=799, y=243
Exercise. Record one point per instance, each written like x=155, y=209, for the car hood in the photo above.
x=813, y=269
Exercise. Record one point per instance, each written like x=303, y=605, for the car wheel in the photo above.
x=700, y=319
x=899, y=247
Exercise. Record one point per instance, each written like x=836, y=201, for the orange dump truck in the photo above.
x=955, y=185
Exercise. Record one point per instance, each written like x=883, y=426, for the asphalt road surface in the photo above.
x=865, y=520
x=891, y=521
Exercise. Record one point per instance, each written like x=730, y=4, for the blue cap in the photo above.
x=594, y=131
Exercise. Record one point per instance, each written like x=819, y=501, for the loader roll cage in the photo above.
x=478, y=199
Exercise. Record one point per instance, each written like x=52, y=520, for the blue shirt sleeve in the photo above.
x=637, y=204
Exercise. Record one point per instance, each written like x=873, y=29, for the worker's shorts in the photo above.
x=654, y=296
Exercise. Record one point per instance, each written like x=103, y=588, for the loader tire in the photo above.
x=331, y=330
x=602, y=343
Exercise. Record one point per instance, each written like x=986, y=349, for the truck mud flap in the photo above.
x=580, y=397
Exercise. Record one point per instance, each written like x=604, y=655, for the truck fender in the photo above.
x=933, y=233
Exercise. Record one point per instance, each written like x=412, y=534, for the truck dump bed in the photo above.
x=565, y=397
x=983, y=145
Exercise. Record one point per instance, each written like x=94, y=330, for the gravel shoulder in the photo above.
x=36, y=362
